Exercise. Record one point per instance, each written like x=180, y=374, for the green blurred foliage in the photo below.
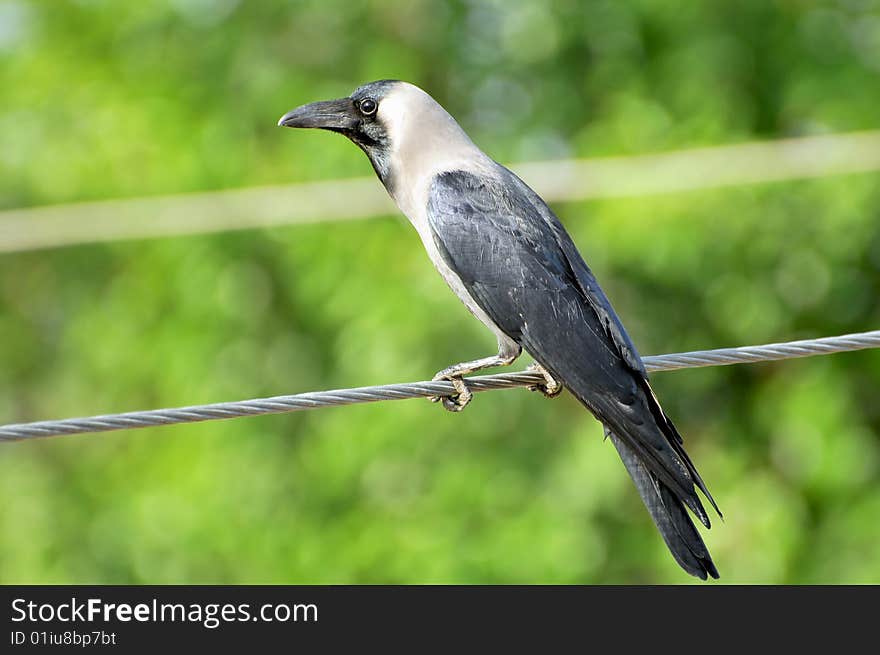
x=104, y=99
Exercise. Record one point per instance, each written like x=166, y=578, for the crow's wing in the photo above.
x=519, y=264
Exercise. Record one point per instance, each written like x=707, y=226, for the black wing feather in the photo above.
x=519, y=264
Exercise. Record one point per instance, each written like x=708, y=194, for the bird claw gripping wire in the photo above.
x=551, y=386
x=457, y=401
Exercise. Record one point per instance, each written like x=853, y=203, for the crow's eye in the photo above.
x=368, y=106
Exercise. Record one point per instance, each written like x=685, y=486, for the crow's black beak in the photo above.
x=326, y=115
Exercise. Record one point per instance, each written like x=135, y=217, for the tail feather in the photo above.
x=677, y=443
x=621, y=398
x=669, y=514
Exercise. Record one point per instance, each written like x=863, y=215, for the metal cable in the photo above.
x=316, y=399
x=767, y=352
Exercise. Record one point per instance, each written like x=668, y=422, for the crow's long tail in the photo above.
x=669, y=513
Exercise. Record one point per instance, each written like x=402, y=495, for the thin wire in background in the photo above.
x=360, y=198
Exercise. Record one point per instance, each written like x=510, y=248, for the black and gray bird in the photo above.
x=511, y=262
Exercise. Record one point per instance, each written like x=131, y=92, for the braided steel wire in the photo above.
x=318, y=399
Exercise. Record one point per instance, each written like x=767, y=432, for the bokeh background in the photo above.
x=117, y=99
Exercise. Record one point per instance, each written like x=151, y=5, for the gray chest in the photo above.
x=413, y=202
